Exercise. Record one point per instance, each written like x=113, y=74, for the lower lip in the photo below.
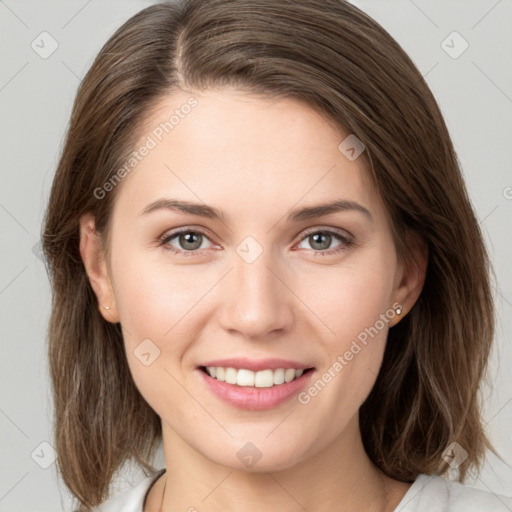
x=255, y=399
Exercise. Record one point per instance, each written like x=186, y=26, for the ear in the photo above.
x=411, y=276
x=93, y=257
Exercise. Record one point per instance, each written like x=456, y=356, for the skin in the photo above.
x=257, y=160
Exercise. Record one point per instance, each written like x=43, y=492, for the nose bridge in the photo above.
x=256, y=301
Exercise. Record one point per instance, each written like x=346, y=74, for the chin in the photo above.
x=258, y=457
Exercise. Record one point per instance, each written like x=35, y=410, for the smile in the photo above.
x=260, y=379
x=259, y=389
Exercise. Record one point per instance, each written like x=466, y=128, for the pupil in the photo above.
x=188, y=238
x=322, y=245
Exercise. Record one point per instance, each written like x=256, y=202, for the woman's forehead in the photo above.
x=232, y=145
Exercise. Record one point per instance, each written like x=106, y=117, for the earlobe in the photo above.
x=93, y=257
x=413, y=276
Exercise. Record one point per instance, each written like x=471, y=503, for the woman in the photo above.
x=263, y=254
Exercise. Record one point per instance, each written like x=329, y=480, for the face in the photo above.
x=267, y=285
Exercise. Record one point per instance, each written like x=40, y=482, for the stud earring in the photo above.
x=105, y=307
x=398, y=310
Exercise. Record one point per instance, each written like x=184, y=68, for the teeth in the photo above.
x=261, y=379
x=231, y=375
x=245, y=378
x=279, y=376
x=289, y=375
x=264, y=379
x=219, y=373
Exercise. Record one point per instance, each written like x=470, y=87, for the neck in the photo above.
x=338, y=478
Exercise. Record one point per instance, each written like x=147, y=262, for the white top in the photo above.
x=426, y=494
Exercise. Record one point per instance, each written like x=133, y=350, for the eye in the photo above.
x=190, y=241
x=320, y=241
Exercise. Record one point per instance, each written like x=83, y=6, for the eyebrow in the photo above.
x=297, y=215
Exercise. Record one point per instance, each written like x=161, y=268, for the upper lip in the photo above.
x=257, y=364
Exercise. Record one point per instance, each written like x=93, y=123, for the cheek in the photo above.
x=357, y=308
x=352, y=299
x=153, y=299
x=160, y=387
x=158, y=326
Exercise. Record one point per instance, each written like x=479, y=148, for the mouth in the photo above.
x=263, y=386
x=265, y=378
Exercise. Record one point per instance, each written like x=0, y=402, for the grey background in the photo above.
x=474, y=91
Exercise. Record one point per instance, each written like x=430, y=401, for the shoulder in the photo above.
x=131, y=500
x=438, y=494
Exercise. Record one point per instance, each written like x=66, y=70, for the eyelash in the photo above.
x=346, y=242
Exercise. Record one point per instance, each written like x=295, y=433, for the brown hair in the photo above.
x=347, y=67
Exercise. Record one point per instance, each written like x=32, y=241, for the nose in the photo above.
x=256, y=300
